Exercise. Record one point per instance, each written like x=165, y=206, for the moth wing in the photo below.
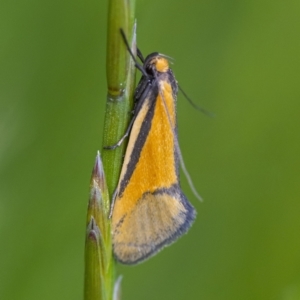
x=157, y=220
x=150, y=211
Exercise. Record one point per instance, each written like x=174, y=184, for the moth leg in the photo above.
x=140, y=55
x=119, y=143
x=113, y=203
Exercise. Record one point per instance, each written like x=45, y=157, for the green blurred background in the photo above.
x=239, y=59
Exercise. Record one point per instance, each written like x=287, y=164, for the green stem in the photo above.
x=120, y=72
x=120, y=69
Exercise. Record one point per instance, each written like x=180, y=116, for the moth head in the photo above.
x=156, y=62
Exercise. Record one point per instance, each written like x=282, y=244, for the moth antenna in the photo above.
x=203, y=110
x=138, y=66
x=186, y=173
